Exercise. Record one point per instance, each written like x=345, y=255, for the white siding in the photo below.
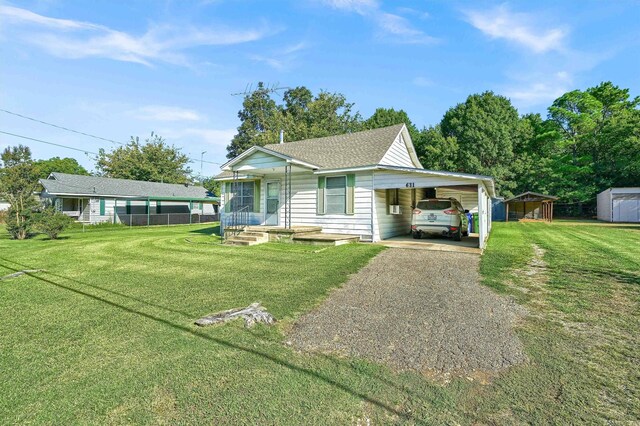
x=304, y=200
x=604, y=206
x=259, y=160
x=397, y=154
x=4, y=205
x=389, y=179
x=391, y=225
x=109, y=204
x=469, y=200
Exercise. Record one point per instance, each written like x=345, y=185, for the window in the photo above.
x=243, y=195
x=336, y=195
x=434, y=205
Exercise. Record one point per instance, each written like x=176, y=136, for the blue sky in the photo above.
x=122, y=68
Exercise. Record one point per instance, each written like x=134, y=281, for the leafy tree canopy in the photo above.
x=153, y=161
x=383, y=117
x=18, y=182
x=61, y=165
x=301, y=115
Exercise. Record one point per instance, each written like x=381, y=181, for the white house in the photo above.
x=619, y=205
x=94, y=199
x=364, y=184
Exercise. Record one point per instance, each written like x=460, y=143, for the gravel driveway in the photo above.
x=416, y=310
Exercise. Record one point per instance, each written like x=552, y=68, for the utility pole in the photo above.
x=201, y=158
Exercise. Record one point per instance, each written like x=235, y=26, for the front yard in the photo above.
x=105, y=333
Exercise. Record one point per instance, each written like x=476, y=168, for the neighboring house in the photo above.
x=4, y=205
x=363, y=184
x=93, y=199
x=619, y=205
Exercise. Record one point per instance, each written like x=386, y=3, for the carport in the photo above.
x=397, y=190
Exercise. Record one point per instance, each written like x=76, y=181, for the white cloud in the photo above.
x=281, y=59
x=165, y=113
x=358, y=6
x=398, y=26
x=539, y=89
x=161, y=43
x=391, y=27
x=16, y=15
x=519, y=28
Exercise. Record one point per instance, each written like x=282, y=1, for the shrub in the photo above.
x=52, y=222
x=20, y=222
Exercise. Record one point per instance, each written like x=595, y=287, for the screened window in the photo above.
x=336, y=195
x=243, y=195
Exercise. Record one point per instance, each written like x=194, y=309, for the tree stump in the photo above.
x=251, y=314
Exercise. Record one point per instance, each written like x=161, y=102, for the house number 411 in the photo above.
x=410, y=185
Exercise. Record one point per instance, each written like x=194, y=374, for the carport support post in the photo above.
x=190, y=209
x=148, y=209
x=115, y=210
x=480, y=214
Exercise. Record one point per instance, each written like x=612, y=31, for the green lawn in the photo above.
x=106, y=334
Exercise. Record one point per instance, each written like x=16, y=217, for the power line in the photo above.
x=48, y=143
x=81, y=133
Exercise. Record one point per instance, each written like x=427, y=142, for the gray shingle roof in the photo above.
x=349, y=150
x=357, y=149
x=63, y=183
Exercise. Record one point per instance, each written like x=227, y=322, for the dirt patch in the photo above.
x=417, y=310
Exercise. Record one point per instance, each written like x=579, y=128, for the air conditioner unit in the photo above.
x=394, y=209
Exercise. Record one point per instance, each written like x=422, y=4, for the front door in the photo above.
x=273, y=203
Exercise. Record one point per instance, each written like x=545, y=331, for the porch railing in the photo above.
x=235, y=222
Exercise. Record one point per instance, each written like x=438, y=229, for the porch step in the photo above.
x=248, y=238
x=319, y=238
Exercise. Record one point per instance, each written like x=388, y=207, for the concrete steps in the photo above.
x=319, y=238
x=248, y=238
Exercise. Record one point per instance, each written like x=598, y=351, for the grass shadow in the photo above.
x=209, y=230
x=189, y=330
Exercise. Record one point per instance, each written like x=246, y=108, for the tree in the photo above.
x=383, y=117
x=435, y=151
x=61, y=165
x=153, y=161
x=486, y=128
x=301, y=116
x=18, y=182
x=212, y=186
x=597, y=125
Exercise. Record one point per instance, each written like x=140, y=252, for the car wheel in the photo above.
x=458, y=235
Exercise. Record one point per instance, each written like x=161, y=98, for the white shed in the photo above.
x=619, y=205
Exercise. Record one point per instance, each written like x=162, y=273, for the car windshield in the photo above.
x=434, y=204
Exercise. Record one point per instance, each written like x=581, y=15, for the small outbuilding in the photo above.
x=619, y=205
x=530, y=205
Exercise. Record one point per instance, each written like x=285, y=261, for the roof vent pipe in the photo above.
x=281, y=136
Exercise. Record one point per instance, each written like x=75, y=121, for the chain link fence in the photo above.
x=159, y=219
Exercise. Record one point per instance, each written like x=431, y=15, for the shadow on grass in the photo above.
x=185, y=329
x=209, y=230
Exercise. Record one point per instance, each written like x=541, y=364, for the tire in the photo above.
x=458, y=235
x=417, y=235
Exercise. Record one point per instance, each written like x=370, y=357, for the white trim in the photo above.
x=345, y=196
x=485, y=179
x=266, y=200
